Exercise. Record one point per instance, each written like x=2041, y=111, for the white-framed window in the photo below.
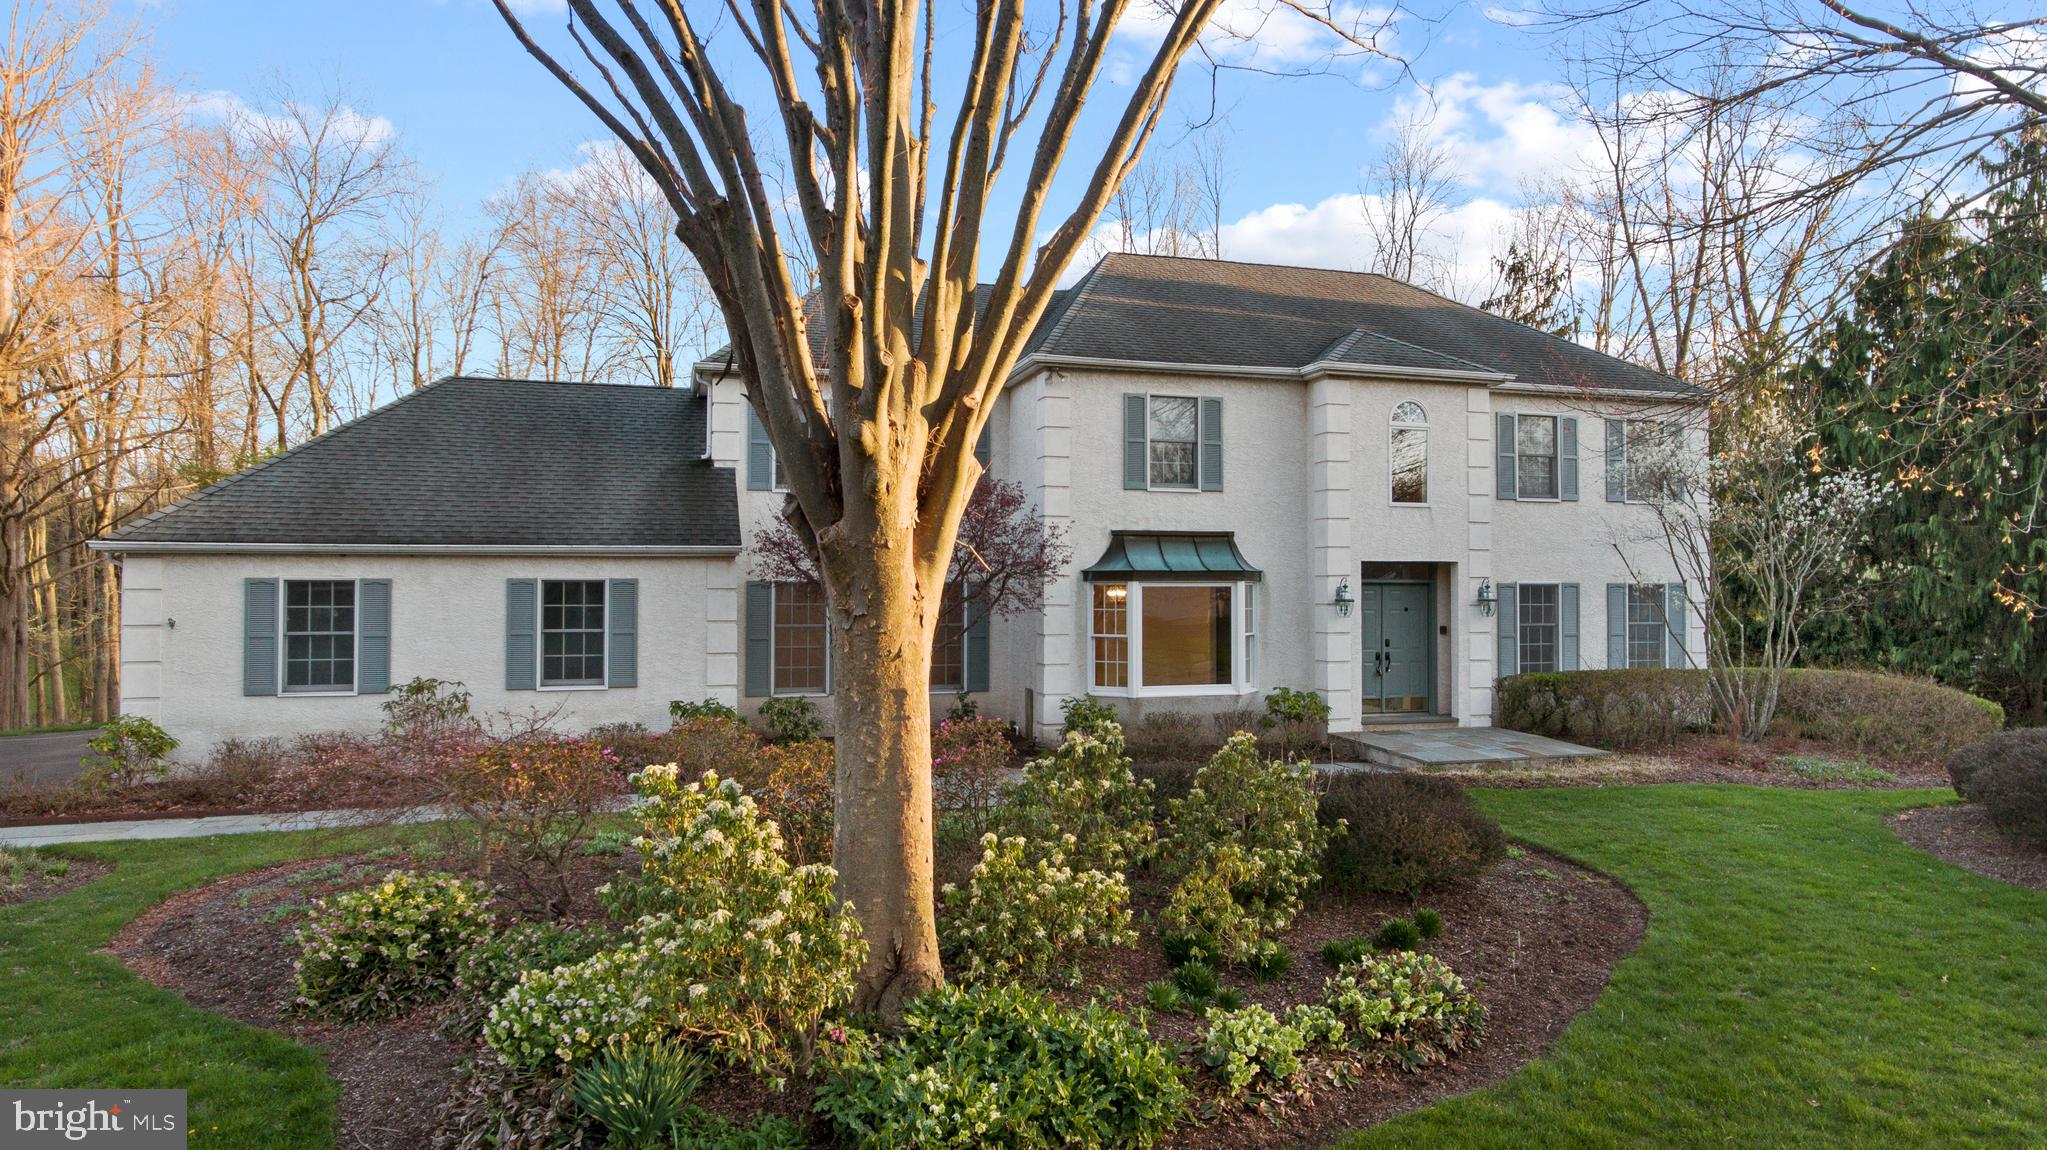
x=1638, y=444
x=1535, y=456
x=319, y=636
x=949, y=645
x=1647, y=625
x=1539, y=626
x=1109, y=635
x=1408, y=453
x=1171, y=638
x=802, y=640
x=1174, y=433
x=572, y=613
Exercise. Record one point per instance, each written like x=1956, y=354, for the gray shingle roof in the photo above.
x=485, y=462
x=1162, y=309
x=1217, y=313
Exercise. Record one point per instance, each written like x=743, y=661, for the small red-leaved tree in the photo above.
x=1004, y=559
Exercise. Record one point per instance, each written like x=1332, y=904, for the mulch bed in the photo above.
x=1537, y=937
x=34, y=884
x=227, y=947
x=1961, y=833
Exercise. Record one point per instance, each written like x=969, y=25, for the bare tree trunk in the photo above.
x=882, y=719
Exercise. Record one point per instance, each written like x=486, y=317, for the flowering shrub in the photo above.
x=529, y=803
x=1085, y=789
x=733, y=947
x=383, y=949
x=1009, y=1068
x=1247, y=843
x=1019, y=917
x=1249, y=1043
x=1414, y=1002
x=968, y=758
x=492, y=966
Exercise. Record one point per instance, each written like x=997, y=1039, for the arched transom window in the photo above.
x=1410, y=453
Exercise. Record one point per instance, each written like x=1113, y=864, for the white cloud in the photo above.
x=1511, y=17
x=220, y=106
x=1332, y=234
x=1261, y=34
x=1506, y=135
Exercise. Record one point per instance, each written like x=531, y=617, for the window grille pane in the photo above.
x=1175, y=421
x=1539, y=626
x=1111, y=635
x=1645, y=625
x=571, y=632
x=1410, y=465
x=319, y=635
x=802, y=639
x=1535, y=453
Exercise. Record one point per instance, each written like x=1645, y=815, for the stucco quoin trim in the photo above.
x=450, y=550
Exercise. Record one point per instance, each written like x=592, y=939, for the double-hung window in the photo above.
x=802, y=640
x=1172, y=442
x=1635, y=458
x=319, y=635
x=1535, y=456
x=1172, y=638
x=572, y=632
x=1174, y=435
x=1647, y=625
x=1540, y=627
x=949, y=646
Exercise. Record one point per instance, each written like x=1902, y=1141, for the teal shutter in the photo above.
x=373, y=636
x=1616, y=626
x=975, y=639
x=1616, y=461
x=259, y=636
x=760, y=454
x=984, y=449
x=1509, y=629
x=1675, y=625
x=1136, y=452
x=1567, y=627
x=1210, y=461
x=522, y=620
x=622, y=621
x=760, y=639
x=1567, y=457
x=1503, y=450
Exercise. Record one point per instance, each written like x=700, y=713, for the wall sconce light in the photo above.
x=1485, y=597
x=1343, y=599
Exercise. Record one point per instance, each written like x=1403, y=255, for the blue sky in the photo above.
x=475, y=111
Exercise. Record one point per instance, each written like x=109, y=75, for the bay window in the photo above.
x=1172, y=638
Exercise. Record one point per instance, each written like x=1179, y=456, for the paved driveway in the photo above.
x=42, y=760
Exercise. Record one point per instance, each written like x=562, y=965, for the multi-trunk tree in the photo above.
x=818, y=126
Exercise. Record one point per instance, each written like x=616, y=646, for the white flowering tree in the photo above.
x=1765, y=541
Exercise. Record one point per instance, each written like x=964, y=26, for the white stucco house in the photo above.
x=1269, y=476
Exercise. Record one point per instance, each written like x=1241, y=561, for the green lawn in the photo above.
x=73, y=1017
x=1806, y=980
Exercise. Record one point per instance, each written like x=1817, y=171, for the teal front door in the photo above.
x=1399, y=628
